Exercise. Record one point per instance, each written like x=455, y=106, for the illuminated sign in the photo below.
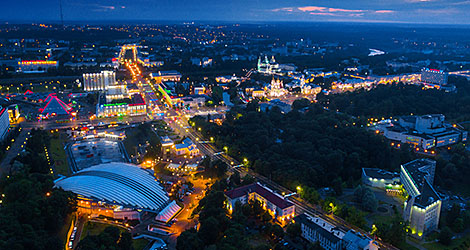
x=115, y=104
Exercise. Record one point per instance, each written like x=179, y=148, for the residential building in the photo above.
x=98, y=81
x=423, y=206
x=278, y=207
x=355, y=241
x=331, y=237
x=315, y=229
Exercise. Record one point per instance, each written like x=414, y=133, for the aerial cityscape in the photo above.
x=241, y=125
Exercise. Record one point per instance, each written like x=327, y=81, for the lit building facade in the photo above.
x=425, y=132
x=136, y=106
x=4, y=123
x=13, y=113
x=39, y=66
x=276, y=89
x=268, y=66
x=165, y=76
x=98, y=81
x=423, y=206
x=279, y=208
x=186, y=147
x=434, y=76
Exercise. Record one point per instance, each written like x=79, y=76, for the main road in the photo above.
x=181, y=126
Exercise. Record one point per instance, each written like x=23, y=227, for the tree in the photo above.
x=209, y=231
x=300, y=103
x=189, y=240
x=294, y=230
x=277, y=231
x=445, y=236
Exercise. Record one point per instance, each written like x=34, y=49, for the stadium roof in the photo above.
x=118, y=183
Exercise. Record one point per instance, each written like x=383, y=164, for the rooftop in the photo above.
x=117, y=183
x=380, y=173
x=269, y=195
x=416, y=171
x=323, y=228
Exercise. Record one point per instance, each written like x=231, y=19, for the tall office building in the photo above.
x=98, y=81
x=434, y=76
x=423, y=207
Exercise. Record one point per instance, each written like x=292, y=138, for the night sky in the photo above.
x=407, y=11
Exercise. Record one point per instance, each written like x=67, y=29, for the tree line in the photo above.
x=32, y=212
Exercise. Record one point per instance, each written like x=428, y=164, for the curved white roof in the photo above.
x=119, y=183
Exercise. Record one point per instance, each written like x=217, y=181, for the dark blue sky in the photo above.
x=414, y=11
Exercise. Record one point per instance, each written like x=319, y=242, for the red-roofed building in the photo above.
x=281, y=209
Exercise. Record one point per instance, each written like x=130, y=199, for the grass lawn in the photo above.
x=139, y=135
x=406, y=246
x=460, y=243
x=57, y=152
x=377, y=219
x=62, y=234
x=139, y=244
x=95, y=228
x=256, y=240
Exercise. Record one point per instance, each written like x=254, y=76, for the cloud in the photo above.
x=344, y=10
x=384, y=11
x=419, y=1
x=325, y=9
x=323, y=14
x=312, y=8
x=104, y=8
x=447, y=11
x=288, y=9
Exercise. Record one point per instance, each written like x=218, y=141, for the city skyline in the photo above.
x=388, y=11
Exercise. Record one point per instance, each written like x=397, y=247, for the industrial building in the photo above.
x=423, y=206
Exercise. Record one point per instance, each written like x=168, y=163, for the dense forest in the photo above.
x=250, y=227
x=400, y=99
x=32, y=213
x=110, y=238
x=394, y=100
x=311, y=147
